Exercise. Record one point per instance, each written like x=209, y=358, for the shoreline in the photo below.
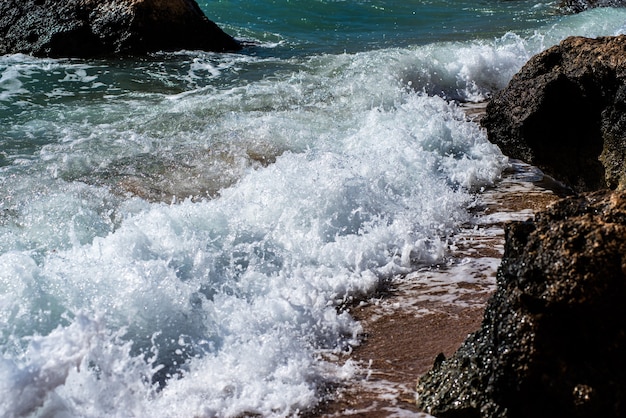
x=432, y=310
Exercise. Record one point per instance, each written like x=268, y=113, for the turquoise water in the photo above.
x=307, y=27
x=180, y=233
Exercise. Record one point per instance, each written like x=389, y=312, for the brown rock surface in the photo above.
x=87, y=28
x=565, y=112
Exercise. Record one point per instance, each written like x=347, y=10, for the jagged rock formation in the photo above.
x=565, y=112
x=553, y=339
x=577, y=6
x=87, y=28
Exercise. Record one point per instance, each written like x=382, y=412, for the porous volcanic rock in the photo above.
x=577, y=6
x=565, y=112
x=553, y=338
x=87, y=28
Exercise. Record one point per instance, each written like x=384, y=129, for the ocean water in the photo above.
x=180, y=234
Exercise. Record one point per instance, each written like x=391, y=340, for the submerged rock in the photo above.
x=553, y=339
x=87, y=28
x=565, y=112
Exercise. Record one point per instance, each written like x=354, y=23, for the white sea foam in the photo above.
x=236, y=295
x=10, y=84
x=472, y=71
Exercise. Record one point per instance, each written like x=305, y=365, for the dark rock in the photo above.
x=577, y=6
x=553, y=338
x=564, y=113
x=87, y=28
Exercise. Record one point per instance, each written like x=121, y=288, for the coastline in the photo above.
x=181, y=233
x=432, y=310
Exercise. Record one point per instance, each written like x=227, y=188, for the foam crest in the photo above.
x=233, y=298
x=39, y=215
x=73, y=364
x=472, y=71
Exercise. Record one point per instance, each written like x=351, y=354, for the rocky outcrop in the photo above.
x=577, y=6
x=553, y=339
x=565, y=112
x=87, y=28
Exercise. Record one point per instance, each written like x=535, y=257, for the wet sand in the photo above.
x=432, y=311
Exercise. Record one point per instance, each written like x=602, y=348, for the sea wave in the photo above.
x=327, y=174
